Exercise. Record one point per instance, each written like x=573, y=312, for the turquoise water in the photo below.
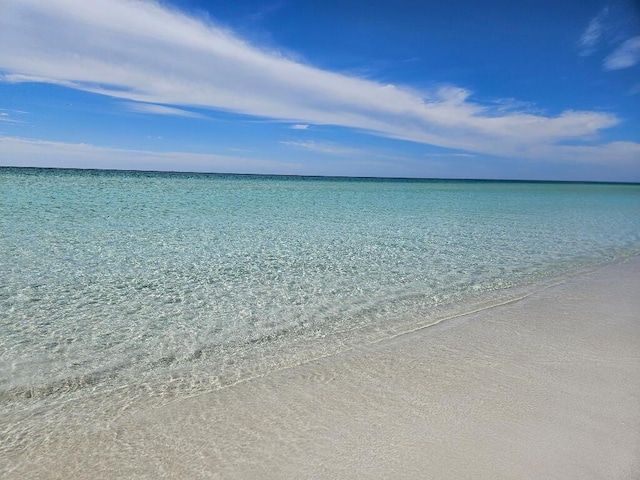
x=173, y=283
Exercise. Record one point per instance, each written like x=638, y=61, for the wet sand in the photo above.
x=544, y=387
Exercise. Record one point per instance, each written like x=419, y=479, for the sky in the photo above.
x=521, y=89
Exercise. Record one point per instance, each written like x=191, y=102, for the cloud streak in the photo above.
x=625, y=56
x=323, y=147
x=24, y=152
x=593, y=33
x=143, y=52
x=7, y=116
x=155, y=109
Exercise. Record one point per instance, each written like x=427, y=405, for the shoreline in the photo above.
x=545, y=386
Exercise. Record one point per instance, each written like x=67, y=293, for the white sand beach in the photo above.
x=540, y=388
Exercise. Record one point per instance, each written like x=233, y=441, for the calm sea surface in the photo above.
x=174, y=283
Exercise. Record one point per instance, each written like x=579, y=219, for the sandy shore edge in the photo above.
x=544, y=387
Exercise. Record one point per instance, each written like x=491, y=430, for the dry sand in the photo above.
x=547, y=387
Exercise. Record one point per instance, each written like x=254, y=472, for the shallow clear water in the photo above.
x=158, y=281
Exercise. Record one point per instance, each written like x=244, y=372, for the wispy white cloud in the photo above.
x=625, y=56
x=593, y=33
x=9, y=116
x=144, y=52
x=611, y=154
x=363, y=161
x=25, y=152
x=155, y=109
x=299, y=126
x=601, y=31
x=452, y=154
x=22, y=152
x=324, y=147
x=265, y=11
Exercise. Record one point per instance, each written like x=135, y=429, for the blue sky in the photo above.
x=448, y=89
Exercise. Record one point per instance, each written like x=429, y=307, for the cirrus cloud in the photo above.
x=156, y=109
x=25, y=152
x=141, y=51
x=625, y=56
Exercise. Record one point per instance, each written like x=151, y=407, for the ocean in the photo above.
x=120, y=287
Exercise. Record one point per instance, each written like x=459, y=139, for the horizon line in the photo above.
x=319, y=177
